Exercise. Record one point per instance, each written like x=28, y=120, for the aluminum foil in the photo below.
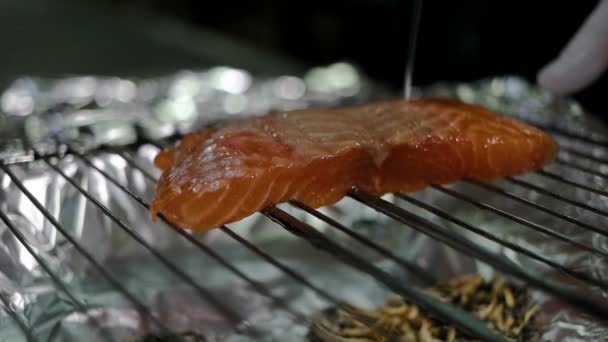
x=86, y=113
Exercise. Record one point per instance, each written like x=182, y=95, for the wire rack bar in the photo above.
x=567, y=293
x=232, y=315
x=135, y=165
x=98, y=267
x=503, y=192
x=556, y=177
x=293, y=274
x=513, y=246
x=442, y=310
x=260, y=288
x=257, y=286
x=519, y=220
x=580, y=168
x=556, y=196
x=584, y=155
x=590, y=139
x=47, y=269
x=389, y=335
x=15, y=317
x=414, y=269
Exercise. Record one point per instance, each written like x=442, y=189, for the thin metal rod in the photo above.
x=583, y=155
x=58, y=283
x=603, y=142
x=301, y=279
x=414, y=269
x=15, y=317
x=412, y=44
x=580, y=168
x=519, y=220
x=513, y=246
x=230, y=314
x=206, y=249
x=552, y=194
x=556, y=177
x=568, y=293
x=105, y=273
x=442, y=310
x=296, y=276
x=259, y=287
x=135, y=165
x=502, y=192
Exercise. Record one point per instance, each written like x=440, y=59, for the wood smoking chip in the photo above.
x=502, y=305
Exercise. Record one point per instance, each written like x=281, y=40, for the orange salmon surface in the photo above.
x=225, y=173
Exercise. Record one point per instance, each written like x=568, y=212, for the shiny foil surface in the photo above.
x=109, y=273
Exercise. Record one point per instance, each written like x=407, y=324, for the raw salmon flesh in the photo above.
x=225, y=173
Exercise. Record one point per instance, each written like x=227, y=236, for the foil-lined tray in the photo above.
x=87, y=113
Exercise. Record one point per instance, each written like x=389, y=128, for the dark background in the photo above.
x=459, y=40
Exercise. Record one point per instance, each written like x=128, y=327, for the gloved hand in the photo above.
x=583, y=60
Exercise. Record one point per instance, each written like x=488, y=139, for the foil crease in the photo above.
x=86, y=113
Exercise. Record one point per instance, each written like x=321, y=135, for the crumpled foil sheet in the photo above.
x=88, y=112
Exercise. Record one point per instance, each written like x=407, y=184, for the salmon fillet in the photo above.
x=225, y=173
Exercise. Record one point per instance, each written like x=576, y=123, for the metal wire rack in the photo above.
x=569, y=158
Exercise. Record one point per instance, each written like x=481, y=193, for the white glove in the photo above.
x=583, y=60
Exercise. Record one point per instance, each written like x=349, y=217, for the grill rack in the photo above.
x=319, y=240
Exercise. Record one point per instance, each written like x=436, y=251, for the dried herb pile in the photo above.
x=505, y=307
